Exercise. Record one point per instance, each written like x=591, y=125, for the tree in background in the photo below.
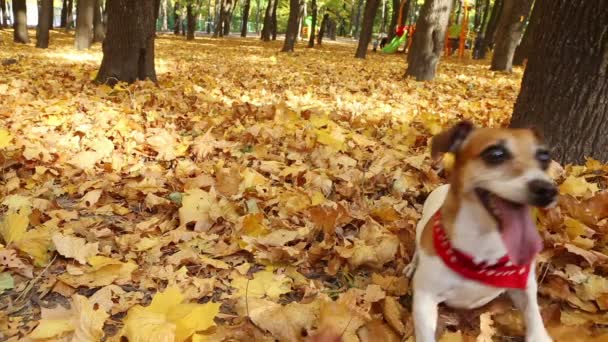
x=20, y=22
x=84, y=23
x=429, y=39
x=275, y=25
x=295, y=8
x=267, y=28
x=508, y=34
x=527, y=41
x=394, y=18
x=128, y=50
x=99, y=31
x=322, y=28
x=190, y=21
x=44, y=24
x=177, y=19
x=4, y=17
x=226, y=15
x=565, y=84
x=313, y=24
x=488, y=35
x=371, y=8
x=246, y=9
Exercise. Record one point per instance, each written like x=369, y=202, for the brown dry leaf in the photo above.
x=392, y=312
x=74, y=247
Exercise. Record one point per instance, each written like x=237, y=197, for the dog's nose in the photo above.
x=542, y=192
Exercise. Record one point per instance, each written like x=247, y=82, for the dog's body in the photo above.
x=480, y=185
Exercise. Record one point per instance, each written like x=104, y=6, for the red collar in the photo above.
x=502, y=274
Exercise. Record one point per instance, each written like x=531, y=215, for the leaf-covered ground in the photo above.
x=251, y=196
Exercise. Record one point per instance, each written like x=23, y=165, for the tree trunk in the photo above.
x=488, y=37
x=69, y=22
x=219, y=21
x=565, y=85
x=20, y=22
x=331, y=29
x=267, y=28
x=44, y=24
x=384, y=17
x=357, y=22
x=485, y=17
x=128, y=50
x=227, y=15
x=429, y=39
x=313, y=27
x=527, y=41
x=99, y=32
x=165, y=20
x=191, y=22
x=84, y=23
x=322, y=28
x=292, y=25
x=394, y=17
x=274, y=26
x=244, y=27
x=371, y=8
x=4, y=22
x=176, y=18
x=510, y=29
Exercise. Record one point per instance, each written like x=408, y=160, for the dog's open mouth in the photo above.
x=517, y=228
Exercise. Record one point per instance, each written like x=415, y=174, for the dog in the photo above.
x=476, y=238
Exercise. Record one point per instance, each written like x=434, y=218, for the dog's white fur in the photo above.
x=435, y=283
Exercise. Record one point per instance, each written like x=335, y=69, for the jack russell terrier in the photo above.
x=476, y=238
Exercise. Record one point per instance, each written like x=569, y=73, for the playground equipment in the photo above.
x=400, y=35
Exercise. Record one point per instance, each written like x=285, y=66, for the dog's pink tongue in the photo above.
x=519, y=232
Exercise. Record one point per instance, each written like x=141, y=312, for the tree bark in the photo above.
x=128, y=50
x=227, y=15
x=488, y=36
x=510, y=29
x=267, y=28
x=485, y=17
x=4, y=22
x=292, y=25
x=246, y=9
x=20, y=22
x=191, y=21
x=44, y=24
x=394, y=18
x=84, y=23
x=274, y=19
x=176, y=18
x=322, y=28
x=429, y=39
x=371, y=8
x=69, y=22
x=565, y=85
x=357, y=22
x=527, y=41
x=99, y=32
x=165, y=20
x=313, y=27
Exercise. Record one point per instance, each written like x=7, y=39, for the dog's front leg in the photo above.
x=425, y=315
x=526, y=301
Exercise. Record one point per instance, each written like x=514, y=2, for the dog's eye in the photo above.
x=544, y=158
x=495, y=155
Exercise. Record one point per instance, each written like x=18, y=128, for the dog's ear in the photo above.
x=450, y=140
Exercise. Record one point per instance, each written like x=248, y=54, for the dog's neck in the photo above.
x=470, y=227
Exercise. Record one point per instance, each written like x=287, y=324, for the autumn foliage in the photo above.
x=251, y=196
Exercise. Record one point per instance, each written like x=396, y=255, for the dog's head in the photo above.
x=505, y=170
x=508, y=163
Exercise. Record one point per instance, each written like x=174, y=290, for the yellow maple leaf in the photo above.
x=5, y=138
x=146, y=243
x=14, y=225
x=74, y=247
x=196, y=207
x=577, y=186
x=167, y=319
x=264, y=284
x=85, y=160
x=49, y=328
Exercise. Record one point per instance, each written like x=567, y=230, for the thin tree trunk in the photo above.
x=99, y=32
x=357, y=19
x=51, y=15
x=371, y=8
x=485, y=17
x=429, y=39
x=176, y=18
x=191, y=22
x=257, y=17
x=292, y=25
x=5, y=16
x=227, y=15
x=510, y=29
x=165, y=21
x=64, y=14
x=394, y=18
x=267, y=28
x=219, y=21
x=565, y=84
x=244, y=27
x=322, y=28
x=384, y=17
x=20, y=22
x=488, y=37
x=331, y=29
x=527, y=41
x=84, y=23
x=128, y=50
x=313, y=28
x=69, y=23
x=44, y=24
x=275, y=26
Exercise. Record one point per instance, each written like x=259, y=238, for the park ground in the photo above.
x=276, y=193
